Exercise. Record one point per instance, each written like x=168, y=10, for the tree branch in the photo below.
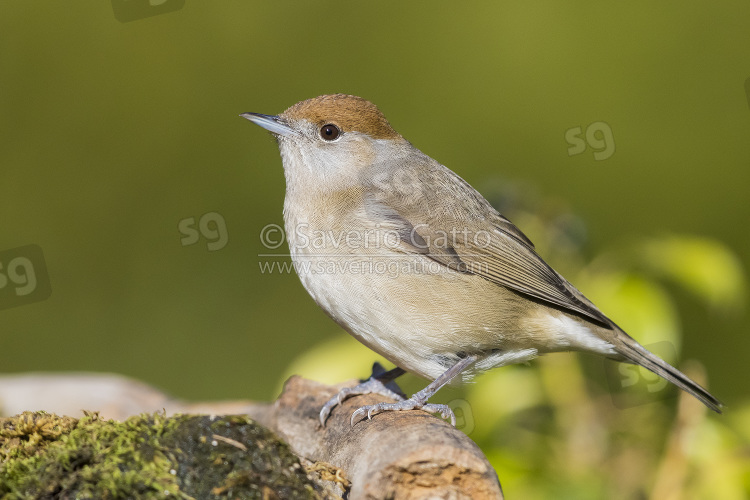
x=403, y=454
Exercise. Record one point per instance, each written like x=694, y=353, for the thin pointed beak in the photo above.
x=273, y=124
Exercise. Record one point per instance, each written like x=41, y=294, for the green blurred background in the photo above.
x=112, y=132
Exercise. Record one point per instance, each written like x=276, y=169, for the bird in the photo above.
x=418, y=266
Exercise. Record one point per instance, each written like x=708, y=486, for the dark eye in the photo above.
x=329, y=132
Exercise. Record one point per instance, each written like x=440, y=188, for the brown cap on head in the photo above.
x=348, y=112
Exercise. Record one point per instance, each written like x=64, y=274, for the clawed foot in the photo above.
x=406, y=404
x=371, y=386
x=377, y=385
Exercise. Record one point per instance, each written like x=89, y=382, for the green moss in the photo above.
x=148, y=456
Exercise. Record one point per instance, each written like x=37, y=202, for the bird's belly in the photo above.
x=408, y=308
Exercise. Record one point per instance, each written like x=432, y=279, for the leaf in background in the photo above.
x=705, y=267
x=505, y=390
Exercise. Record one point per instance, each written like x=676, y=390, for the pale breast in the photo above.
x=406, y=307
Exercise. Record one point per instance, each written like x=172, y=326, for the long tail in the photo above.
x=636, y=353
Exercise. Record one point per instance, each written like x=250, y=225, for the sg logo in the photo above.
x=131, y=10
x=464, y=415
x=598, y=136
x=211, y=225
x=23, y=276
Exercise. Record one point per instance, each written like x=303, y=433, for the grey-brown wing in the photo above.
x=505, y=262
x=472, y=237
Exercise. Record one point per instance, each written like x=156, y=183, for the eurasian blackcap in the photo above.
x=417, y=265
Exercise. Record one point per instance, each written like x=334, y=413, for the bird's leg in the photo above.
x=419, y=400
x=380, y=382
